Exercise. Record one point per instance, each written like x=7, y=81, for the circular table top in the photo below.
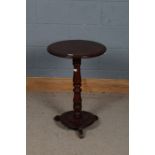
x=76, y=49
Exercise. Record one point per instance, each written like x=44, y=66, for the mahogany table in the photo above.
x=76, y=50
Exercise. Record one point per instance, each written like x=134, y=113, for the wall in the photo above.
x=104, y=21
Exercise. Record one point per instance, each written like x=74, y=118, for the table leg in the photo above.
x=77, y=106
x=77, y=119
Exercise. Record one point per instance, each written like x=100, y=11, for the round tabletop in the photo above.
x=76, y=49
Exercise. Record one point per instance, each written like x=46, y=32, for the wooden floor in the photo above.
x=43, y=84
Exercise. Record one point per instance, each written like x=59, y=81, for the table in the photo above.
x=76, y=50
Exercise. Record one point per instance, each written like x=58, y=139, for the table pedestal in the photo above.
x=77, y=119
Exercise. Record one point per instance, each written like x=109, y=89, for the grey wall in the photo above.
x=104, y=21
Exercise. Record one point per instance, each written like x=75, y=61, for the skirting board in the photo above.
x=43, y=84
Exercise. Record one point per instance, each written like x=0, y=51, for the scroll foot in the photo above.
x=57, y=118
x=80, y=133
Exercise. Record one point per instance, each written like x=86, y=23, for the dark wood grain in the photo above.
x=77, y=87
x=76, y=49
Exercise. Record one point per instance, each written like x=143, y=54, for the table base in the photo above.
x=69, y=120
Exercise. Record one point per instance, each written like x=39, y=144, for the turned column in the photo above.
x=77, y=106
